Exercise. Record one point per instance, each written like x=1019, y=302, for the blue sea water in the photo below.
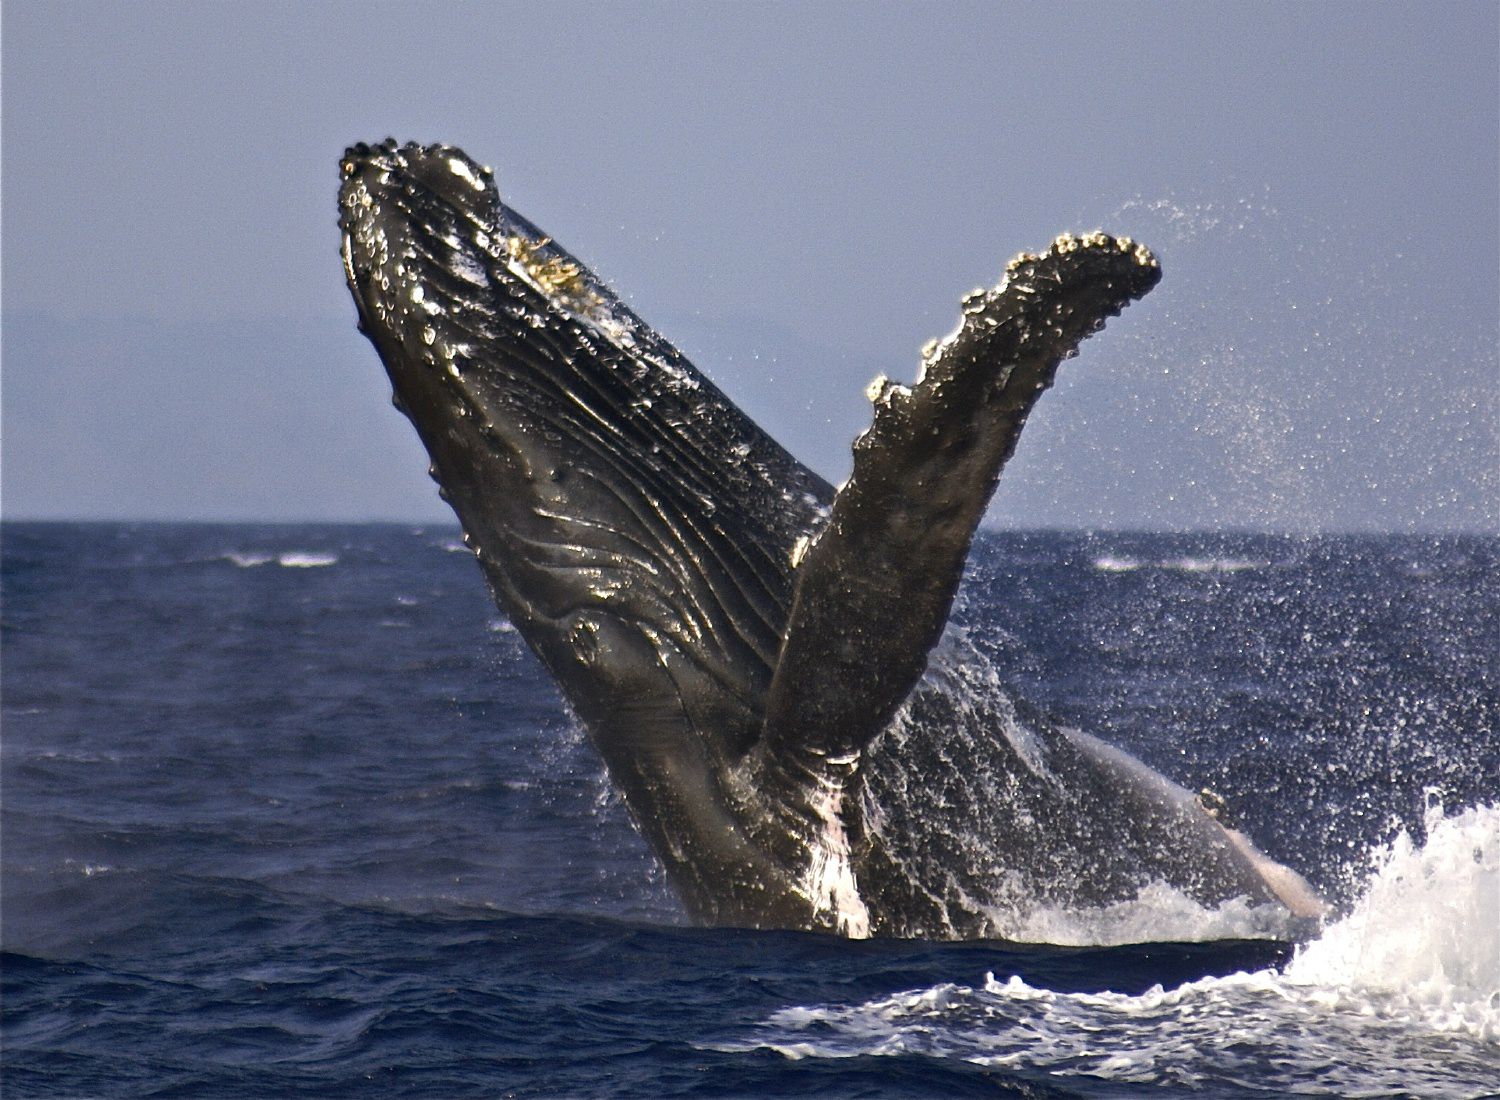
x=291, y=810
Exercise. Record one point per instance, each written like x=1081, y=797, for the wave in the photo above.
x=1405, y=988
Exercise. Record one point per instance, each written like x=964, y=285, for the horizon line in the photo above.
x=988, y=528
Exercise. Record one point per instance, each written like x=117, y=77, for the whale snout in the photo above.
x=442, y=172
x=419, y=200
x=417, y=225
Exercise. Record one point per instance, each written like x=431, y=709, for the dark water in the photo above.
x=291, y=810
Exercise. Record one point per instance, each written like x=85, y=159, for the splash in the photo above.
x=1402, y=995
x=1425, y=936
x=829, y=881
x=1024, y=856
x=1158, y=914
x=1292, y=351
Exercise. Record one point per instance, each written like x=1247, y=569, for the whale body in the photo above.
x=761, y=660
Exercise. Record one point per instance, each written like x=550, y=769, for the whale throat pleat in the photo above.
x=605, y=483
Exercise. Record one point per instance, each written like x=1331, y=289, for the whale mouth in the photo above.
x=481, y=318
x=451, y=285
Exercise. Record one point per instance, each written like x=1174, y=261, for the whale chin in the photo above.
x=754, y=654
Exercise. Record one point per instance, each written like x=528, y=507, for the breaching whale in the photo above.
x=761, y=660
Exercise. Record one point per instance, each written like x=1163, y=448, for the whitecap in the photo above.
x=75, y=757
x=305, y=559
x=1211, y=565
x=248, y=559
x=1117, y=563
x=88, y=870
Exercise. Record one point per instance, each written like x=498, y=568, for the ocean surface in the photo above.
x=292, y=811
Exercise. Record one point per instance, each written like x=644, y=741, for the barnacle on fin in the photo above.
x=554, y=275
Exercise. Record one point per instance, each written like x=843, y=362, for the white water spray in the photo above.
x=1425, y=936
x=1402, y=995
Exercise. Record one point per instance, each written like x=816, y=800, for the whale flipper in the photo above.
x=874, y=589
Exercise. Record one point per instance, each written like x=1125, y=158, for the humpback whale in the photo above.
x=763, y=662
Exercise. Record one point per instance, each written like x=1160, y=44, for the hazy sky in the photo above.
x=796, y=194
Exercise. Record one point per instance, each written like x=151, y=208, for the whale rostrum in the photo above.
x=763, y=662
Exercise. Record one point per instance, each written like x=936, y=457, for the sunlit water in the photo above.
x=290, y=810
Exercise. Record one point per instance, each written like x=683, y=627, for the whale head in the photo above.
x=633, y=523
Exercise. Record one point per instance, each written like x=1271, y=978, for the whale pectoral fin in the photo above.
x=873, y=592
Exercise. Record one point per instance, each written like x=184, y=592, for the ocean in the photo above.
x=291, y=810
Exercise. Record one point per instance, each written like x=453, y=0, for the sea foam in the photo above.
x=1405, y=987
